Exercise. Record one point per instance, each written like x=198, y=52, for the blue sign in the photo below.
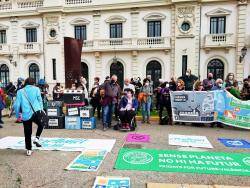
x=235, y=143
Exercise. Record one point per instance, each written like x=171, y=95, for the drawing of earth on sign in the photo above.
x=247, y=161
x=137, y=138
x=137, y=157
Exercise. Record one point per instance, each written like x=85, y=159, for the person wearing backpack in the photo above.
x=29, y=102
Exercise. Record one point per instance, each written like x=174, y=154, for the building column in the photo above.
x=98, y=63
x=241, y=37
x=14, y=49
x=134, y=32
x=172, y=53
x=197, y=69
x=63, y=33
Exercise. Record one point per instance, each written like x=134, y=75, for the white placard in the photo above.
x=53, y=123
x=189, y=141
x=60, y=144
x=73, y=111
x=52, y=112
x=84, y=113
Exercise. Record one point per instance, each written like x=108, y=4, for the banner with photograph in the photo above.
x=205, y=107
x=189, y=106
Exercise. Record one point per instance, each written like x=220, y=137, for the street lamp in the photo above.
x=11, y=60
x=243, y=53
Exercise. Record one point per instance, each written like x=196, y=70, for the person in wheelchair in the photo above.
x=127, y=110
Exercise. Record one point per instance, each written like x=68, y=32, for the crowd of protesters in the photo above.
x=106, y=96
x=109, y=97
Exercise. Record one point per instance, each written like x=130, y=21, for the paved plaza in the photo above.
x=46, y=168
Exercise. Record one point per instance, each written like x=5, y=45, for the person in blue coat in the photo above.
x=27, y=96
x=127, y=107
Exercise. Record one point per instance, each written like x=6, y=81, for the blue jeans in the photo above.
x=146, y=109
x=107, y=111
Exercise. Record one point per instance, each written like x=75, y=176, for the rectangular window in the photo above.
x=3, y=37
x=184, y=64
x=81, y=32
x=116, y=30
x=31, y=35
x=217, y=25
x=54, y=68
x=154, y=28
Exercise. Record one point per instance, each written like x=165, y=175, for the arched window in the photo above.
x=4, y=74
x=216, y=67
x=34, y=72
x=118, y=69
x=85, y=72
x=154, y=69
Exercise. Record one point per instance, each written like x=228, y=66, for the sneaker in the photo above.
x=29, y=152
x=105, y=128
x=36, y=142
x=1, y=126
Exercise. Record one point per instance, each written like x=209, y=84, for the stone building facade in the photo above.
x=131, y=38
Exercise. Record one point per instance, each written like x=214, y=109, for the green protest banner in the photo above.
x=237, y=164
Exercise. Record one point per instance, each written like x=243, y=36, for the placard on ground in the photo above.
x=89, y=160
x=189, y=141
x=165, y=185
x=61, y=144
x=137, y=138
x=237, y=164
x=112, y=182
x=235, y=143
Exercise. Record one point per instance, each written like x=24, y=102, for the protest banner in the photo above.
x=112, y=182
x=235, y=143
x=206, y=107
x=237, y=164
x=89, y=160
x=189, y=141
x=61, y=144
x=232, y=111
x=189, y=106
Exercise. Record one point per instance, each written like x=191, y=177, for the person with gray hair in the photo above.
x=128, y=85
x=218, y=85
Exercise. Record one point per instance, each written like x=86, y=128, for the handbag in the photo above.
x=41, y=116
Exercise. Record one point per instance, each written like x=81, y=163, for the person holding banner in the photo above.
x=209, y=82
x=29, y=102
x=198, y=86
x=218, y=85
x=245, y=92
x=180, y=85
x=165, y=102
x=230, y=80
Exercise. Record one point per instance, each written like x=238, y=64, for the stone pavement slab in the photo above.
x=46, y=168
